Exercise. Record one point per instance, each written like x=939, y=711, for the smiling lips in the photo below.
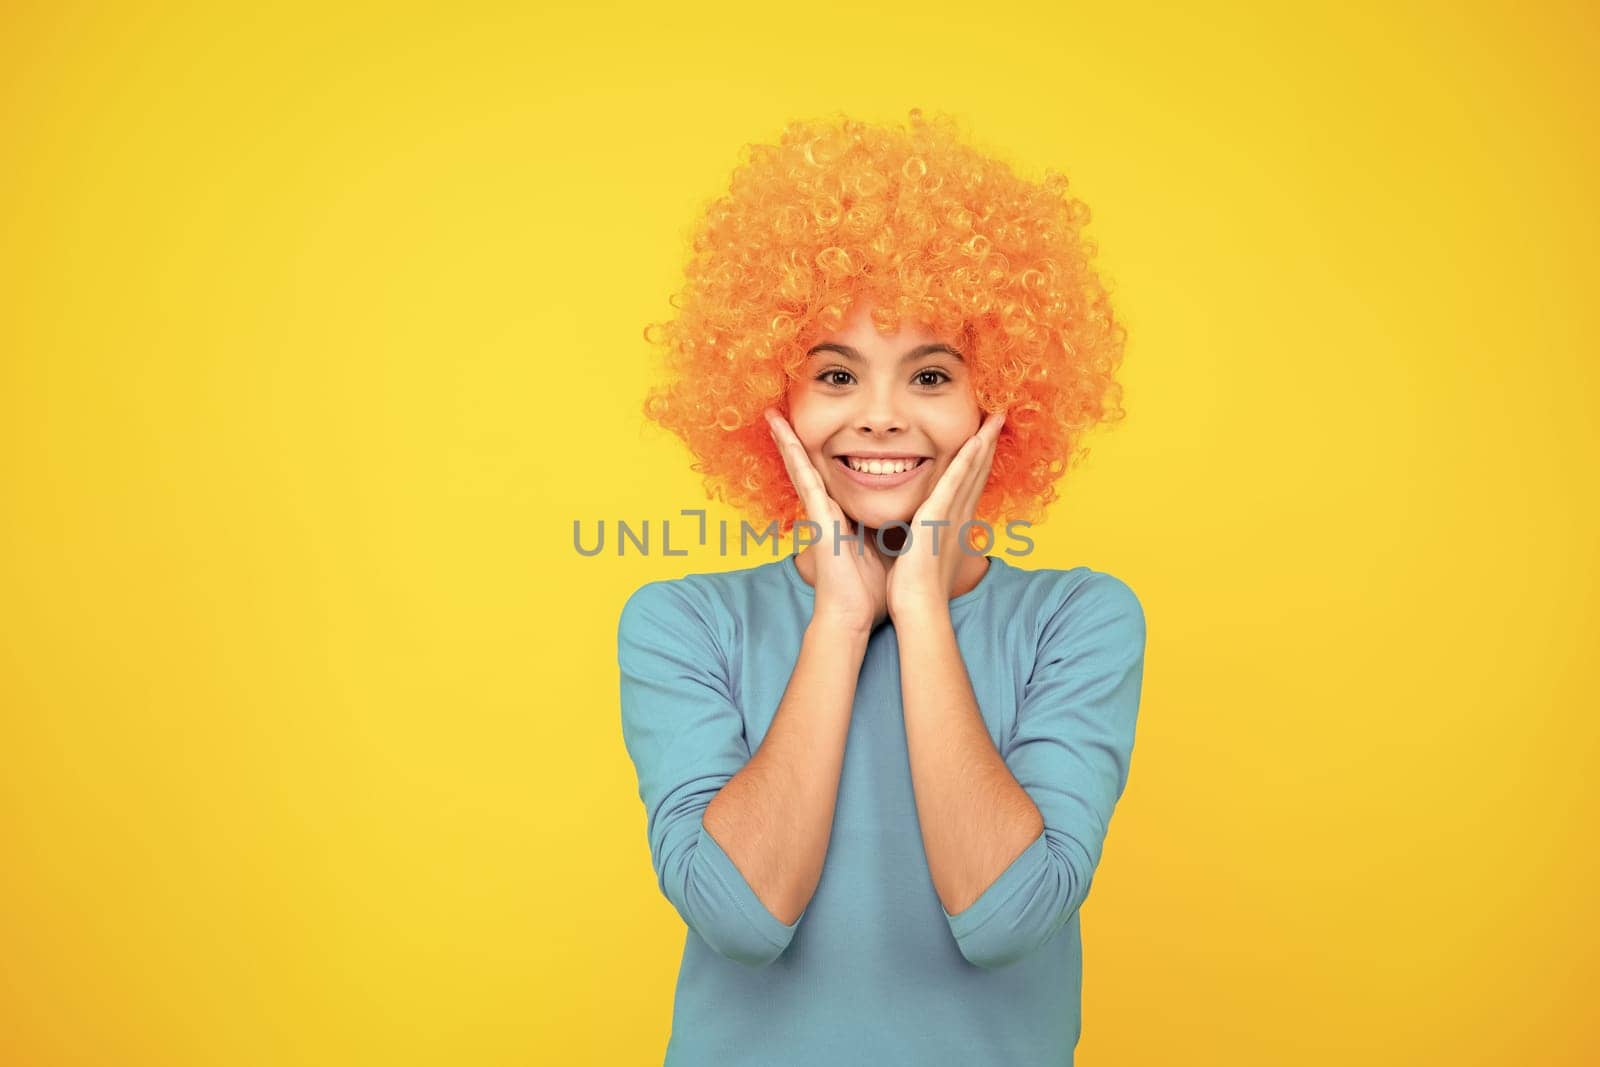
x=894, y=477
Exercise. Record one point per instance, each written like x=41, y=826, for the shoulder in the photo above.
x=1106, y=595
x=1075, y=598
x=668, y=602
x=705, y=603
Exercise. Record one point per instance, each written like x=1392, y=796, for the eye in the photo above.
x=940, y=377
x=826, y=377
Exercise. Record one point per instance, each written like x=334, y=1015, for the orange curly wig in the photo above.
x=928, y=229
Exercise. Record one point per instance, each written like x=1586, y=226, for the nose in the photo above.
x=880, y=415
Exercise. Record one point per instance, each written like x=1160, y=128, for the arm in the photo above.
x=1013, y=842
x=775, y=817
x=975, y=817
x=737, y=840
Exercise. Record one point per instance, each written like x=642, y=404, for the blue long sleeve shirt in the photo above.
x=875, y=971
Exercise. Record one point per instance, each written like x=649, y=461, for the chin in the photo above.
x=877, y=518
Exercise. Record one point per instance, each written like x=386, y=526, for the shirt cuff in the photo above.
x=733, y=882
x=994, y=899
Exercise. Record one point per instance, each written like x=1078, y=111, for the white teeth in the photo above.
x=881, y=466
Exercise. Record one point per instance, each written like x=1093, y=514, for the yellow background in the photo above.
x=320, y=324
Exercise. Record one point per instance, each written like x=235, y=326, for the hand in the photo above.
x=851, y=587
x=919, y=577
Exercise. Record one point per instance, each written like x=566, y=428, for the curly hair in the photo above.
x=928, y=229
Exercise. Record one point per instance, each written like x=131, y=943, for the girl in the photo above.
x=878, y=773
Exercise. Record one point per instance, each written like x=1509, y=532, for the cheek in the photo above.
x=809, y=436
x=808, y=425
x=955, y=434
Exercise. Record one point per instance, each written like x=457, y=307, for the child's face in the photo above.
x=883, y=402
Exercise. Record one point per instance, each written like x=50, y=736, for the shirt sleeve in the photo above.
x=1071, y=754
x=685, y=735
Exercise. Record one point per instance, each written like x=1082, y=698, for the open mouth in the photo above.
x=881, y=466
x=880, y=473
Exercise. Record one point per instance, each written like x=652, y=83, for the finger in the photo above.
x=988, y=437
x=966, y=492
x=990, y=433
x=934, y=504
x=980, y=482
x=944, y=503
x=848, y=527
x=993, y=429
x=948, y=490
x=960, y=474
x=802, y=473
x=786, y=453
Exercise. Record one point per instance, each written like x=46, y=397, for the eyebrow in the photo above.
x=915, y=353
